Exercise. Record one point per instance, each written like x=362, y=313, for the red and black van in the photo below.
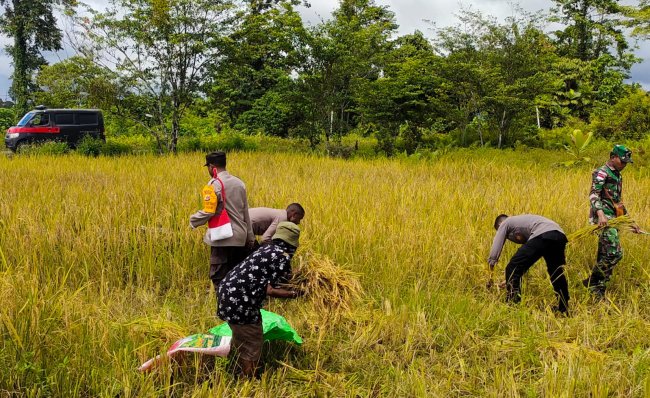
x=65, y=125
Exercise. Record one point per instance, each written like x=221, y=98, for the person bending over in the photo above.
x=539, y=237
x=265, y=220
x=244, y=289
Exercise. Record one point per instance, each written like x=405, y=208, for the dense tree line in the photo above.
x=256, y=67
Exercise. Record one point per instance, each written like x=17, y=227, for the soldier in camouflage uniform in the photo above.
x=605, y=196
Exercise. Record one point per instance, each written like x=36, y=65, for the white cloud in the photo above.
x=417, y=14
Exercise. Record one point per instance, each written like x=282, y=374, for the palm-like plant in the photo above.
x=577, y=144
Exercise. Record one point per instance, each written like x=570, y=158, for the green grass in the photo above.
x=88, y=295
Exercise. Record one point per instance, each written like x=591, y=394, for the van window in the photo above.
x=26, y=119
x=63, y=118
x=86, y=118
x=40, y=119
x=34, y=119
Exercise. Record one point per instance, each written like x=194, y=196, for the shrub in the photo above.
x=189, y=144
x=577, y=145
x=193, y=125
x=629, y=118
x=7, y=119
x=227, y=142
x=434, y=140
x=138, y=144
x=115, y=148
x=235, y=141
x=89, y=146
x=270, y=114
x=554, y=138
x=338, y=150
x=117, y=125
x=276, y=144
x=557, y=138
x=45, y=148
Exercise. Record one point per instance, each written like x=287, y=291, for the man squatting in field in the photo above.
x=243, y=291
x=226, y=253
x=265, y=220
x=540, y=237
x=605, y=197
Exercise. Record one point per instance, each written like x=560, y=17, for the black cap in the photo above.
x=215, y=158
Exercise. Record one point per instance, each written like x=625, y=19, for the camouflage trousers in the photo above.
x=609, y=254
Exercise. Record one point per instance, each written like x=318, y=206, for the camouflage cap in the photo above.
x=623, y=153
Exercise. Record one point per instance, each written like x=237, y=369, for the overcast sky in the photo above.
x=410, y=14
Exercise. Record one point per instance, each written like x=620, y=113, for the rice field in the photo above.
x=99, y=271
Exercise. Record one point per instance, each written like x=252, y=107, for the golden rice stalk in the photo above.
x=162, y=328
x=618, y=222
x=329, y=287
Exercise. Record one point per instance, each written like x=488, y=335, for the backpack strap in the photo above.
x=223, y=191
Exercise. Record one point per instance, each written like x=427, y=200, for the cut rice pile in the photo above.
x=329, y=287
x=618, y=222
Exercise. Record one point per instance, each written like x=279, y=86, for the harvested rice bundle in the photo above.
x=328, y=286
x=618, y=222
x=163, y=328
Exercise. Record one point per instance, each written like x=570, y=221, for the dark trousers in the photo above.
x=551, y=246
x=223, y=260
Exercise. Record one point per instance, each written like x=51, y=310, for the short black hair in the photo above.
x=296, y=207
x=499, y=220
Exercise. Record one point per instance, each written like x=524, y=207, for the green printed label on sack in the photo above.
x=198, y=341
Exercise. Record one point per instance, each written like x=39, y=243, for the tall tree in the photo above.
x=344, y=52
x=639, y=18
x=407, y=97
x=33, y=27
x=593, y=28
x=262, y=51
x=259, y=6
x=496, y=74
x=162, y=49
x=76, y=81
x=594, y=35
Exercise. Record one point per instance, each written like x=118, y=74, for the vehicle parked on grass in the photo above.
x=65, y=125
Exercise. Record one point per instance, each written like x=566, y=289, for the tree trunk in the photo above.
x=159, y=143
x=175, y=128
x=20, y=84
x=584, y=36
x=501, y=127
x=327, y=136
x=341, y=122
x=463, y=136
